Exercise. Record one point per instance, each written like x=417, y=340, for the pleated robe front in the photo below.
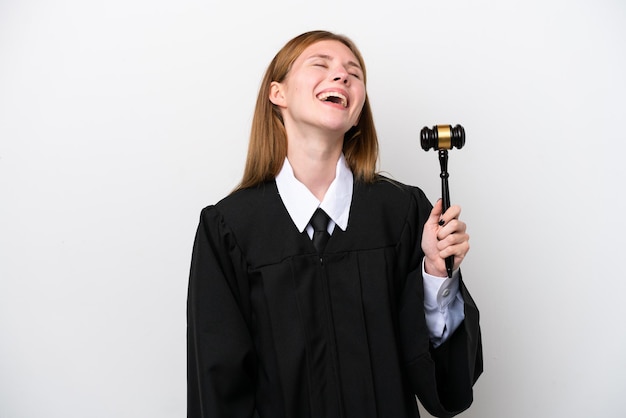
x=276, y=330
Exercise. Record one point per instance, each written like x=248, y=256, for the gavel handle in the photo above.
x=445, y=197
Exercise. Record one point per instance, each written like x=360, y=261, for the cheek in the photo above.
x=361, y=104
x=358, y=111
x=362, y=95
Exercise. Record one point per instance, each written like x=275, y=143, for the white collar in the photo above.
x=301, y=203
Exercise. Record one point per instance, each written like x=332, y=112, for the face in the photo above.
x=323, y=91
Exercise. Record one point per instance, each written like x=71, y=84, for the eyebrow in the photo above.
x=329, y=58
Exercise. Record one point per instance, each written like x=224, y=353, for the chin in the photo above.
x=337, y=126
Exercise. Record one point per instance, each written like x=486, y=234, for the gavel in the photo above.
x=443, y=138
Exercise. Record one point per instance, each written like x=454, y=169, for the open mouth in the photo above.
x=333, y=97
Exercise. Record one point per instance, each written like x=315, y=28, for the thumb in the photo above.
x=436, y=212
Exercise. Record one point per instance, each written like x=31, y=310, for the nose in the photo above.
x=343, y=78
x=341, y=75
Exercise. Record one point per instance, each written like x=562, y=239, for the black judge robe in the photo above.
x=278, y=331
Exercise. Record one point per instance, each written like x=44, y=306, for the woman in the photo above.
x=349, y=319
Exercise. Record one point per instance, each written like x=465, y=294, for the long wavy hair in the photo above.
x=267, y=148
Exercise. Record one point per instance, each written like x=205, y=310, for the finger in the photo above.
x=453, y=227
x=453, y=212
x=458, y=251
x=452, y=240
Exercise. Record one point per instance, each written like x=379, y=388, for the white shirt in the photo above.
x=443, y=303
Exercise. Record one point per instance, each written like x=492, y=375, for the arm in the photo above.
x=443, y=235
x=443, y=306
x=220, y=354
x=442, y=376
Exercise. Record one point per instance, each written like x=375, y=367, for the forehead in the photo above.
x=329, y=49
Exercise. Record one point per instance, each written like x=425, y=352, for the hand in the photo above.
x=443, y=236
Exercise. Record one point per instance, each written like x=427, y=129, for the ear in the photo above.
x=277, y=95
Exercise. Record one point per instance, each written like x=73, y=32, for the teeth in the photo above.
x=324, y=96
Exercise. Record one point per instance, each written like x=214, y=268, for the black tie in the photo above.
x=319, y=222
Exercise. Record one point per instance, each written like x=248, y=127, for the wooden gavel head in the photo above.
x=442, y=137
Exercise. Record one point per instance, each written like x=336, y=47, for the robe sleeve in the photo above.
x=442, y=377
x=221, y=361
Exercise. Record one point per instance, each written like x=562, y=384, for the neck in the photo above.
x=314, y=163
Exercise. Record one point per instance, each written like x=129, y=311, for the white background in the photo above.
x=120, y=120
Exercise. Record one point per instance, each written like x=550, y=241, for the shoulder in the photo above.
x=244, y=204
x=390, y=192
x=387, y=208
x=241, y=200
x=248, y=212
x=386, y=212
